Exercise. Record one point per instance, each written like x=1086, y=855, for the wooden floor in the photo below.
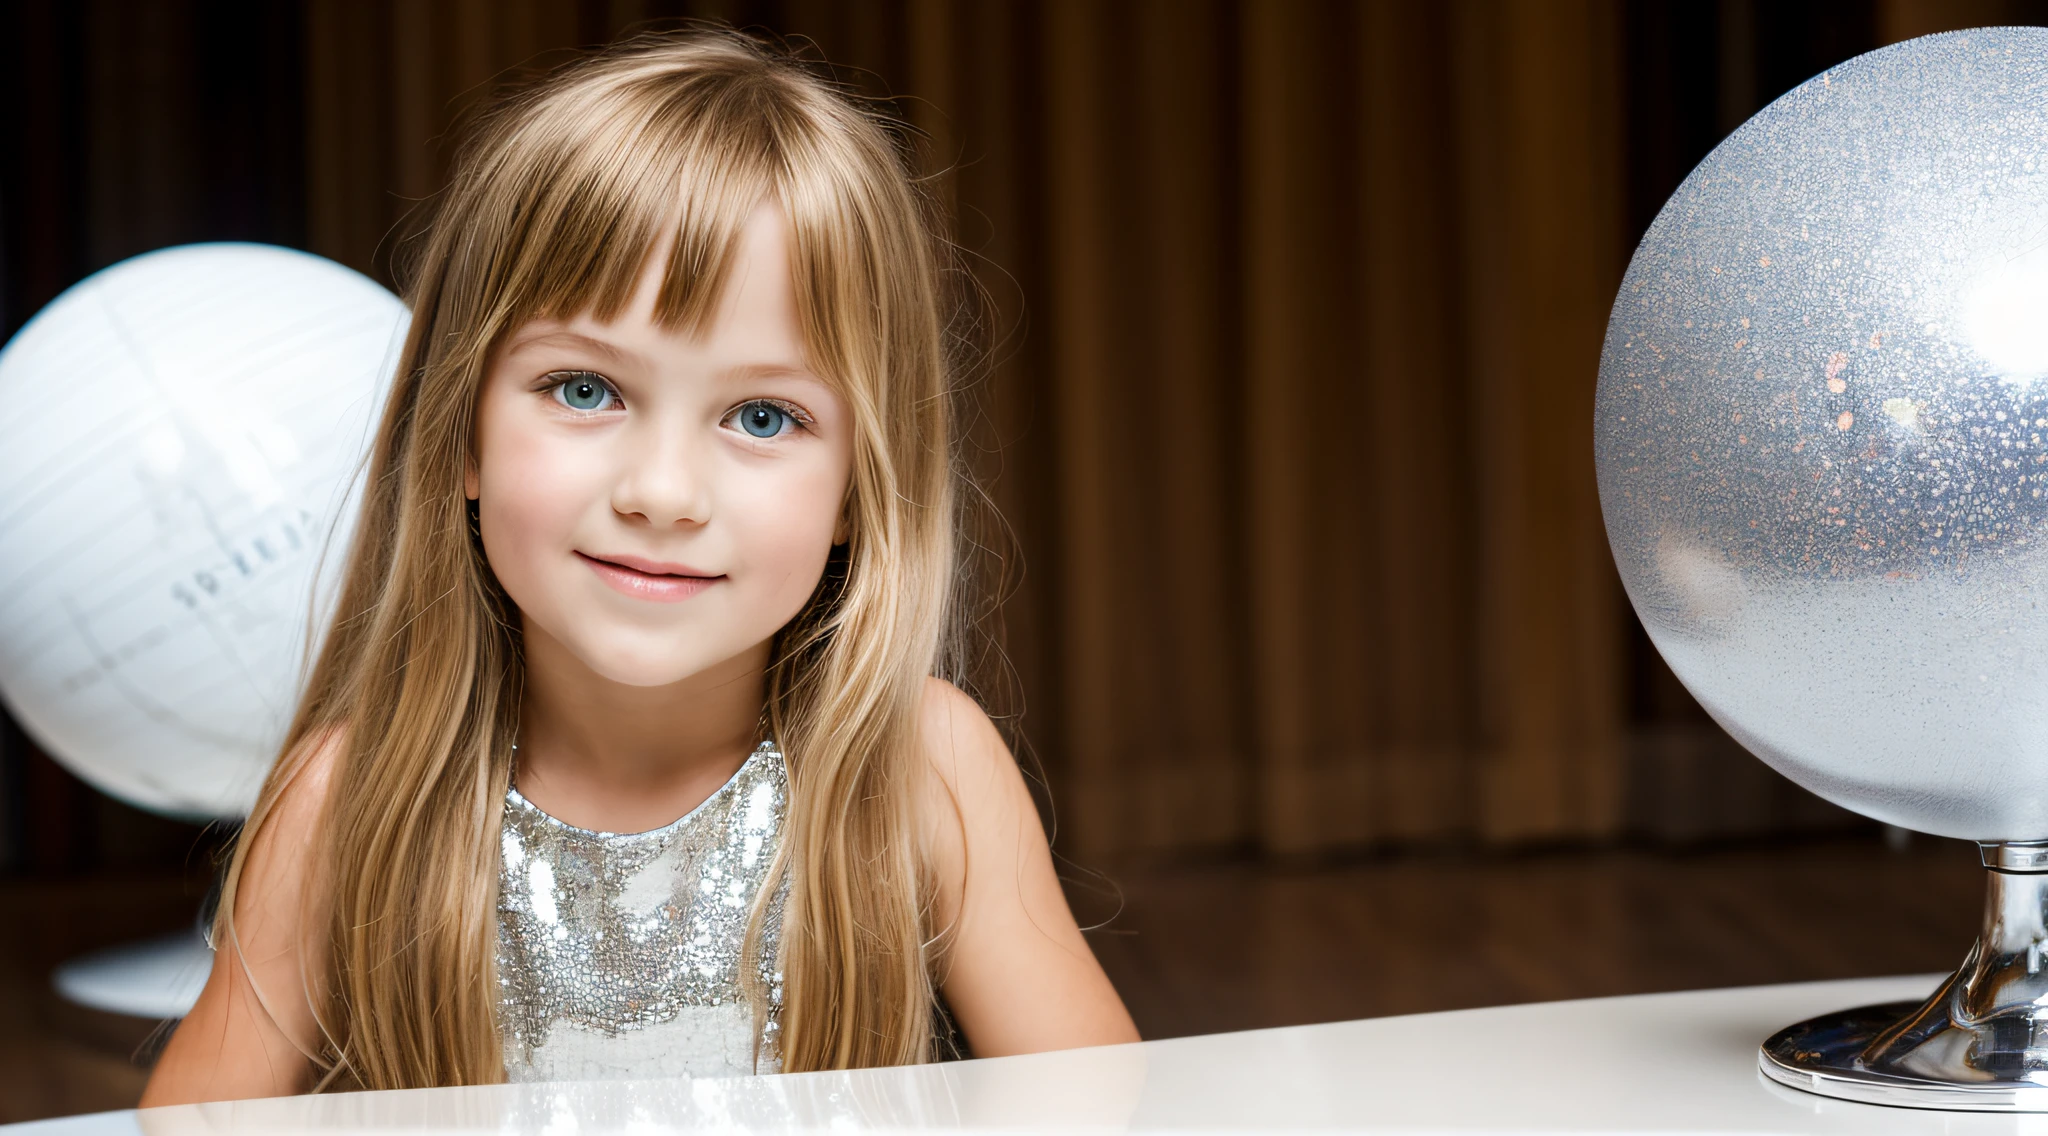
x=1202, y=948
x=1226, y=947
x=55, y=1058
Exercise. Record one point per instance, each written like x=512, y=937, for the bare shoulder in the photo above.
x=962, y=746
x=253, y=1031
x=1013, y=966
x=309, y=772
x=289, y=830
x=975, y=809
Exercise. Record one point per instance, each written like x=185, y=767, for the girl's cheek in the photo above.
x=532, y=495
x=794, y=529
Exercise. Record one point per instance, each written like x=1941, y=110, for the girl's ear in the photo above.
x=470, y=488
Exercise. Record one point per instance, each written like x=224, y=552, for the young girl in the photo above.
x=624, y=755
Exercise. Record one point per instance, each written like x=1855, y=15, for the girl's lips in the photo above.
x=659, y=587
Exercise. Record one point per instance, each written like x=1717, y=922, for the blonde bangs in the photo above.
x=656, y=161
x=649, y=163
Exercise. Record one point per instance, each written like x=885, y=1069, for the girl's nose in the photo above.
x=660, y=482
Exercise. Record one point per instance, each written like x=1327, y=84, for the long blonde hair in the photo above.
x=659, y=147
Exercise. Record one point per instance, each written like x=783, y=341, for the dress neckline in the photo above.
x=513, y=797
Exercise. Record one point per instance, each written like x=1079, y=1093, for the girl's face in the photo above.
x=658, y=504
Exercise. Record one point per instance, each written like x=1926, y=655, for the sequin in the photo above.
x=620, y=955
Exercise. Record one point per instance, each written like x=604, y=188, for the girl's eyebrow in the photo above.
x=528, y=340
x=742, y=372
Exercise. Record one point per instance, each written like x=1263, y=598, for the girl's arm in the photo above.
x=1016, y=972
x=252, y=1032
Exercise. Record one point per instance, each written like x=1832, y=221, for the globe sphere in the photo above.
x=1822, y=434
x=180, y=441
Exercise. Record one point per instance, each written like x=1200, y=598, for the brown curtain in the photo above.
x=1296, y=311
x=1299, y=306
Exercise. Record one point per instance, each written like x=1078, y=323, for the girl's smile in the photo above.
x=649, y=579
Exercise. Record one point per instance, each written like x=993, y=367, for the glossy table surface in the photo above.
x=1650, y=1063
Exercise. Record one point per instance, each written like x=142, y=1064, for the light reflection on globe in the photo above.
x=179, y=436
x=1822, y=434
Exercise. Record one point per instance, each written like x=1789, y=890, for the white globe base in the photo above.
x=155, y=978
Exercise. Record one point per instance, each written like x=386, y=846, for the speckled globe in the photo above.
x=1822, y=434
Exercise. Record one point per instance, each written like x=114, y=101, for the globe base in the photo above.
x=1978, y=1044
x=157, y=978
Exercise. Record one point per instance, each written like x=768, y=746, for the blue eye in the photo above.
x=763, y=419
x=585, y=392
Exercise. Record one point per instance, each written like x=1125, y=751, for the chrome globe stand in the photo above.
x=1980, y=1043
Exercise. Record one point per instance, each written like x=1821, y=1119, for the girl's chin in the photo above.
x=595, y=641
x=648, y=672
x=634, y=660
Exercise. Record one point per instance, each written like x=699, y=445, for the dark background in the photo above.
x=1297, y=308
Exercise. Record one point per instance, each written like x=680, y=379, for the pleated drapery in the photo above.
x=1296, y=308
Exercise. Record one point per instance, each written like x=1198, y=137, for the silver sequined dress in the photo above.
x=619, y=954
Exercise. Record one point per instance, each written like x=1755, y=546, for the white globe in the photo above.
x=181, y=439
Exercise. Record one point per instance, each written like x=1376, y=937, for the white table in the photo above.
x=1651, y=1063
